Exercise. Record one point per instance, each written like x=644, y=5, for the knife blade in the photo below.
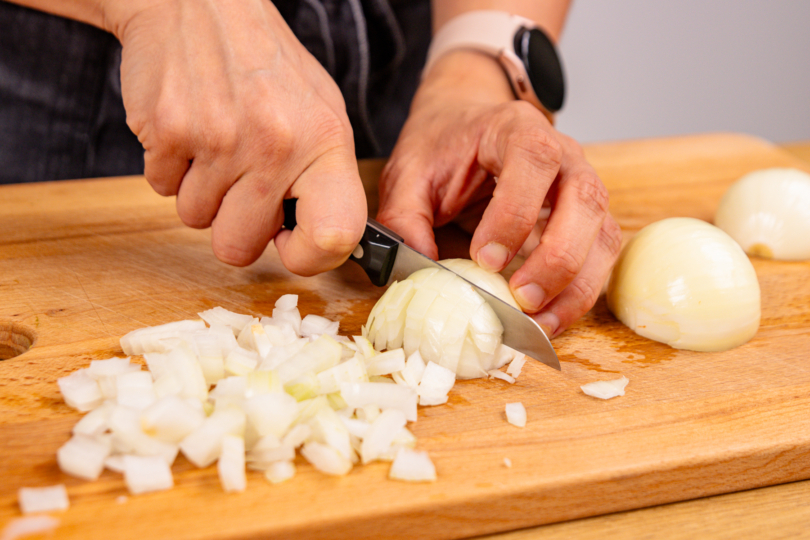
x=385, y=258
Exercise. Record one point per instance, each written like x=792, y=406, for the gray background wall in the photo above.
x=645, y=68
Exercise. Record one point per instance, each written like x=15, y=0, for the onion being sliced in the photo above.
x=438, y=314
x=686, y=283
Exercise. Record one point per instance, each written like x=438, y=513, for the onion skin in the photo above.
x=686, y=283
x=768, y=213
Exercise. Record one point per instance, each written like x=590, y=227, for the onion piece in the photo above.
x=498, y=374
x=44, y=499
x=28, y=526
x=412, y=466
x=326, y=459
x=768, y=213
x=606, y=389
x=380, y=434
x=83, y=457
x=516, y=365
x=80, y=390
x=516, y=414
x=144, y=474
x=385, y=396
x=231, y=464
x=686, y=283
x=280, y=471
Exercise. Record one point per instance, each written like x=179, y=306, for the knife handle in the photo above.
x=375, y=253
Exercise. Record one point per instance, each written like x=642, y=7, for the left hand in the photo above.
x=465, y=130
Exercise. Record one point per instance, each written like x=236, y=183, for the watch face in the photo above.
x=543, y=65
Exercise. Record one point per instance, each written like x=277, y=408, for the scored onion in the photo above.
x=686, y=283
x=440, y=315
x=768, y=213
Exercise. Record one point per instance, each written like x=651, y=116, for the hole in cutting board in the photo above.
x=15, y=339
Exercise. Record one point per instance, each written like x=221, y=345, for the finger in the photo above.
x=581, y=294
x=248, y=218
x=164, y=169
x=579, y=211
x=523, y=153
x=331, y=216
x=406, y=207
x=201, y=192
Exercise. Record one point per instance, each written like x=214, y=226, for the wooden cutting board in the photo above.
x=82, y=263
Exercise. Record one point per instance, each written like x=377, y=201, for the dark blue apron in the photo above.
x=61, y=114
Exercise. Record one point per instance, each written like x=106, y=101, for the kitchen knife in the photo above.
x=385, y=258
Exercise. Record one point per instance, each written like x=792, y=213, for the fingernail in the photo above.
x=530, y=297
x=493, y=257
x=549, y=322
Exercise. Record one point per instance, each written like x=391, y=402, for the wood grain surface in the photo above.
x=82, y=263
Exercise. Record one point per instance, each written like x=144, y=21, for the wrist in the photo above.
x=471, y=74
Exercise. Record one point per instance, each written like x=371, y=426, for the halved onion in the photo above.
x=768, y=213
x=686, y=283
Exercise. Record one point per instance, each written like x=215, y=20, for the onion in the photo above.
x=606, y=389
x=768, y=213
x=516, y=414
x=45, y=499
x=280, y=471
x=231, y=464
x=28, y=526
x=144, y=474
x=440, y=315
x=686, y=283
x=412, y=466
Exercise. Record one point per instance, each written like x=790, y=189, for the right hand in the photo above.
x=234, y=116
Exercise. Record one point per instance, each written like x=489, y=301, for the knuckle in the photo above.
x=563, y=261
x=537, y=146
x=611, y=235
x=584, y=295
x=592, y=193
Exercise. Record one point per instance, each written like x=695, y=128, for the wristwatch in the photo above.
x=525, y=52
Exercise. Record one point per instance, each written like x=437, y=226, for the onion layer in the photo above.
x=768, y=213
x=686, y=283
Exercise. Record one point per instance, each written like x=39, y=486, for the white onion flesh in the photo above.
x=144, y=474
x=412, y=466
x=516, y=414
x=606, y=389
x=768, y=213
x=246, y=392
x=29, y=526
x=440, y=315
x=686, y=283
x=44, y=499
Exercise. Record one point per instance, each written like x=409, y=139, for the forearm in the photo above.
x=109, y=15
x=548, y=14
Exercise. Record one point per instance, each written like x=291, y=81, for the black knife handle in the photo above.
x=375, y=253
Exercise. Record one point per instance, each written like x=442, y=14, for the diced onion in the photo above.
x=516, y=414
x=144, y=474
x=231, y=464
x=28, y=526
x=606, y=389
x=686, y=283
x=412, y=466
x=280, y=471
x=44, y=499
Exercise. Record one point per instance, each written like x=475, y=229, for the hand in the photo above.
x=235, y=115
x=465, y=129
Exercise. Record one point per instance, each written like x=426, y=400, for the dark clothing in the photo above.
x=61, y=114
